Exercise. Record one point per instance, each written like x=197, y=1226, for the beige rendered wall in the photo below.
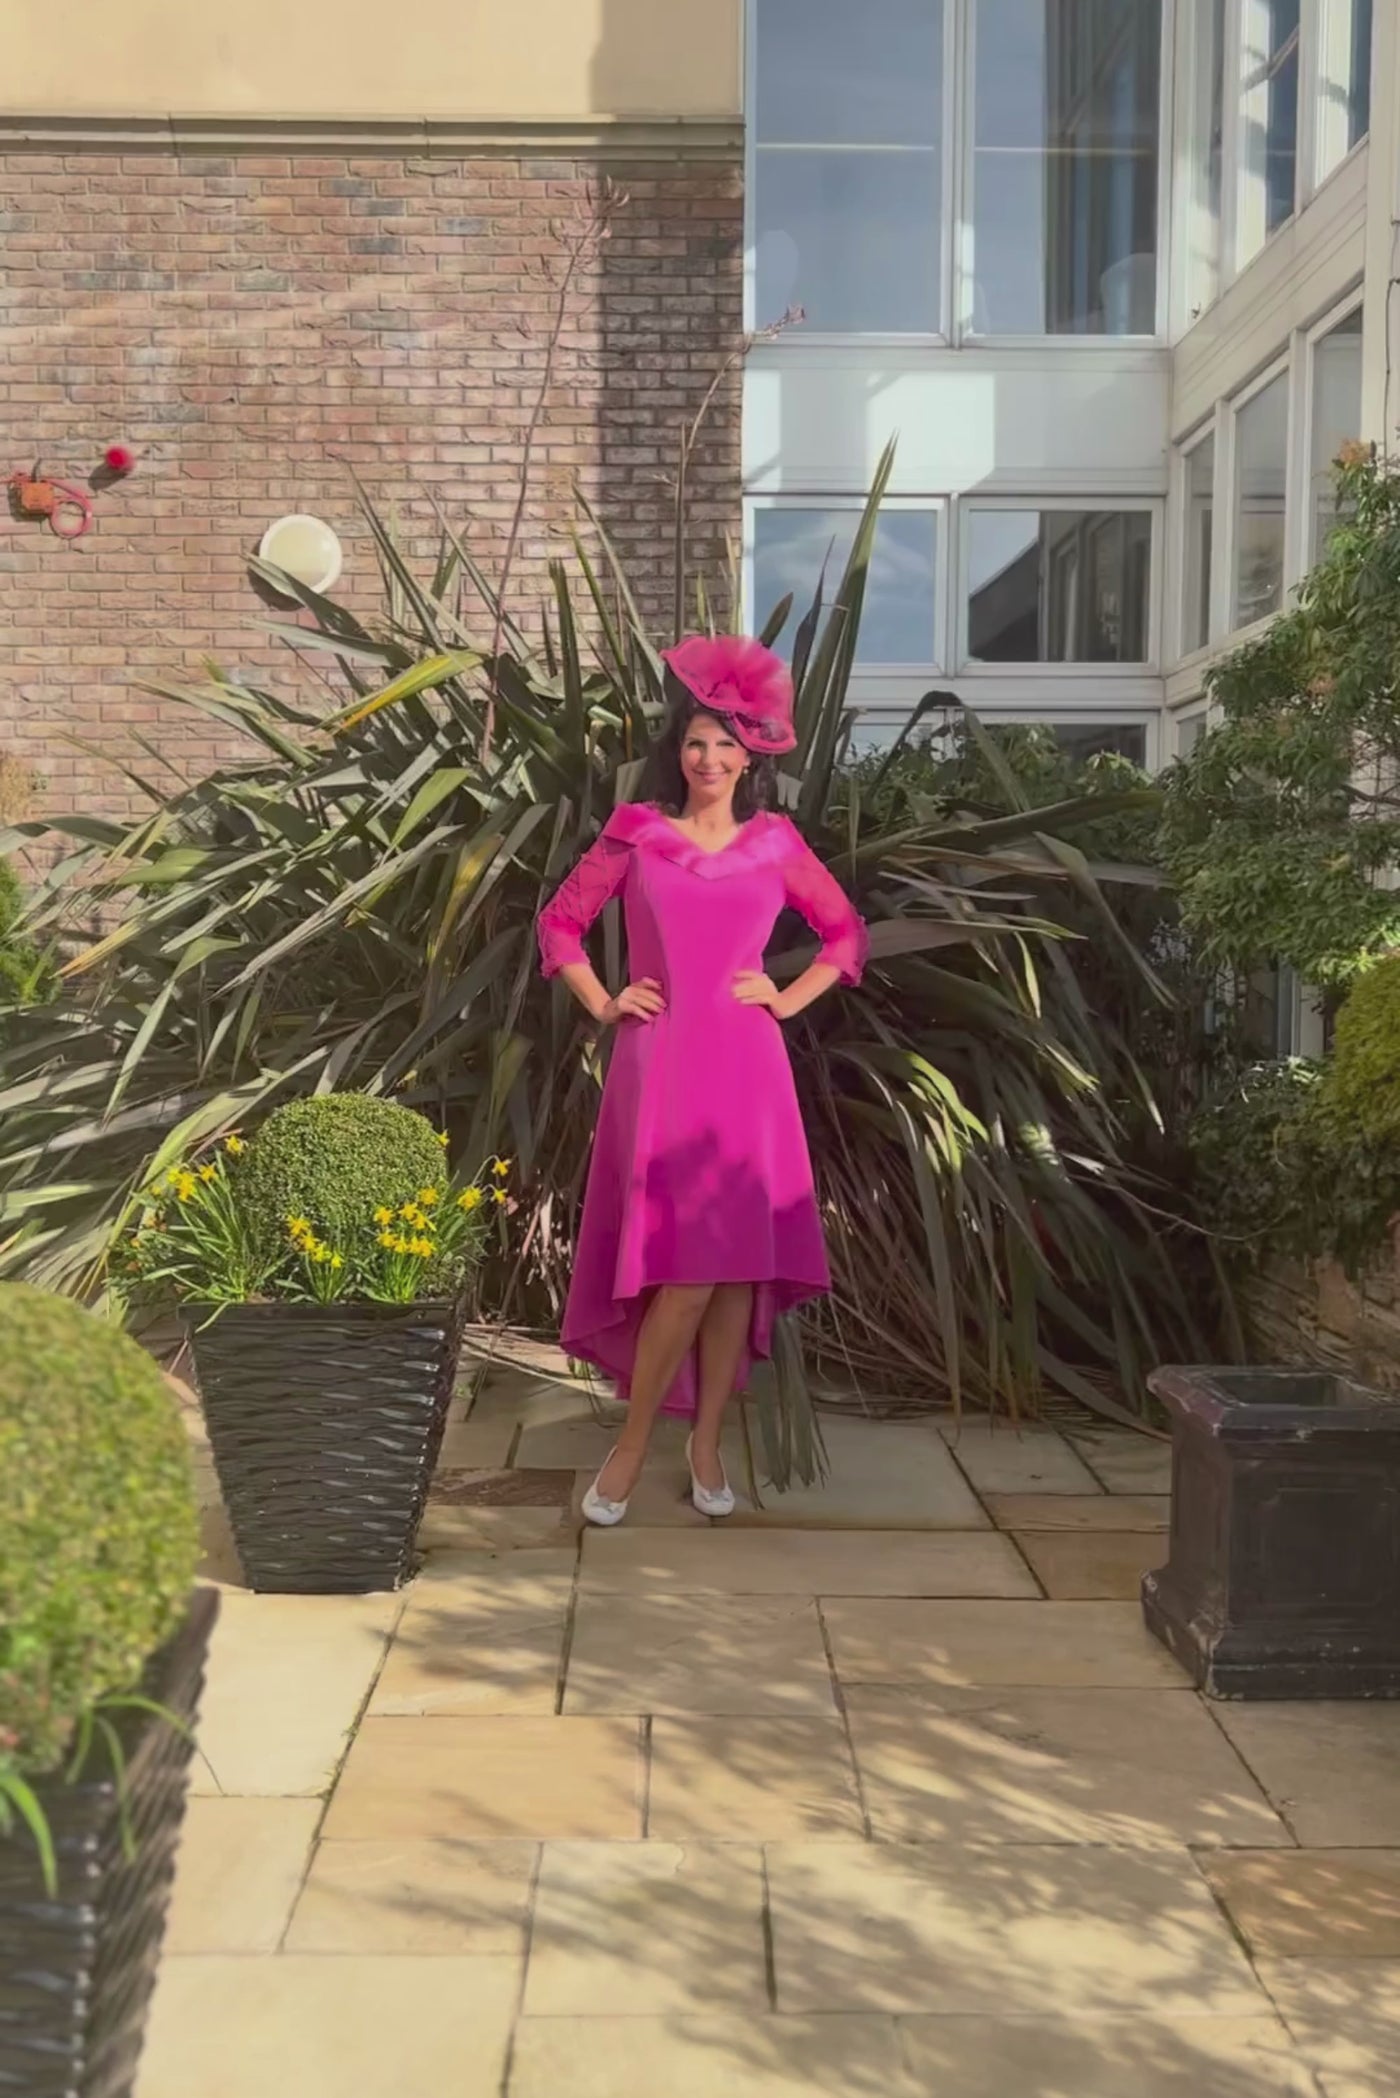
x=504, y=61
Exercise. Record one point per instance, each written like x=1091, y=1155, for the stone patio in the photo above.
x=880, y=1791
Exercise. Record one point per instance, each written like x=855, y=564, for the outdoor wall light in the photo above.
x=305, y=548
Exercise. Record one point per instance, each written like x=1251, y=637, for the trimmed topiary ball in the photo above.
x=335, y=1160
x=99, y=1533
x=1362, y=1085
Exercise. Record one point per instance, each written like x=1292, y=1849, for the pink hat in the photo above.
x=743, y=681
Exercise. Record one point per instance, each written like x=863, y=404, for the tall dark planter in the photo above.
x=1283, y=1579
x=325, y=1423
x=77, y=1970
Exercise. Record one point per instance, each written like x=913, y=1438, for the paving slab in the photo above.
x=972, y=1644
x=1311, y=1904
x=1140, y=2057
x=451, y=1526
x=710, y=1653
x=318, y=2028
x=710, y=2057
x=992, y=1933
x=478, y=1443
x=1080, y=1511
x=647, y=1929
x=1332, y=1769
x=1142, y=1769
x=1092, y=1565
x=1124, y=1462
x=752, y=1779
x=802, y=1562
x=999, y=1457
x=416, y=1897
x=508, y=1777
x=483, y=1635
x=894, y=1475
x=239, y=1869
x=1345, y=2017
x=288, y=1676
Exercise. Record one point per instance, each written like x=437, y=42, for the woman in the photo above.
x=700, y=1223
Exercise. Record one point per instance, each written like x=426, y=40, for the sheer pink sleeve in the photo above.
x=817, y=894
x=578, y=900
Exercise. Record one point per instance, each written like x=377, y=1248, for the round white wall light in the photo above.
x=306, y=548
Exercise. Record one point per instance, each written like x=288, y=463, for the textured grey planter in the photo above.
x=325, y=1423
x=77, y=1968
x=1283, y=1579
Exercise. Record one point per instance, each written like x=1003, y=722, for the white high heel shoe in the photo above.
x=710, y=1500
x=597, y=1508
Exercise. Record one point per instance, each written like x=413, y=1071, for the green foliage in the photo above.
x=339, y=1198
x=97, y=1514
x=1280, y=827
x=23, y=977
x=355, y=907
x=334, y=1160
x=1282, y=1171
x=1362, y=1085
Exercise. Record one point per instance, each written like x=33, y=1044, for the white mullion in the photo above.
x=1222, y=594
x=1163, y=313
x=1297, y=453
x=964, y=107
x=951, y=190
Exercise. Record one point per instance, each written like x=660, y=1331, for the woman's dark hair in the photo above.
x=663, y=780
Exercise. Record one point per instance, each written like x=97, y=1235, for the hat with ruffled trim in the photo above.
x=742, y=680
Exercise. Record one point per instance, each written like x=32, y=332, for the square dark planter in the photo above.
x=77, y=1969
x=325, y=1422
x=1283, y=1579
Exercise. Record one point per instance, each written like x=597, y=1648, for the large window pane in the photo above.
x=792, y=544
x=1343, y=79
x=1268, y=120
x=1200, y=542
x=1336, y=416
x=1064, y=166
x=1058, y=586
x=847, y=112
x=1261, y=463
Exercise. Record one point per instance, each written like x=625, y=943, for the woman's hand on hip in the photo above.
x=640, y=1001
x=752, y=988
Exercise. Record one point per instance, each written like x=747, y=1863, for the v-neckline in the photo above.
x=704, y=851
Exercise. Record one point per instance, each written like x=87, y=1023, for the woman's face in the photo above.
x=712, y=761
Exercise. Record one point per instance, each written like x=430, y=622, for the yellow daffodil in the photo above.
x=442, y=1138
x=423, y=1247
x=400, y=1245
x=426, y=1197
x=207, y=1172
x=411, y=1213
x=185, y=1186
x=298, y=1224
x=387, y=1240
x=470, y=1198
x=234, y=1145
x=383, y=1217
x=337, y=1260
x=172, y=1178
x=500, y=1167
x=498, y=1195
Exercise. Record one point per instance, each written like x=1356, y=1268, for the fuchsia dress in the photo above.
x=700, y=1169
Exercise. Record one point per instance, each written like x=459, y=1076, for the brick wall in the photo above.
x=1313, y=1314
x=255, y=325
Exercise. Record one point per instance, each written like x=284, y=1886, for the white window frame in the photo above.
x=1333, y=26
x=964, y=332
x=955, y=274
x=864, y=673
x=1283, y=364
x=1302, y=553
x=1182, y=649
x=976, y=672
x=835, y=338
x=1041, y=714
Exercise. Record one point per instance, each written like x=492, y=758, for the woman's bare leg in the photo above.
x=724, y=1330
x=667, y=1335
